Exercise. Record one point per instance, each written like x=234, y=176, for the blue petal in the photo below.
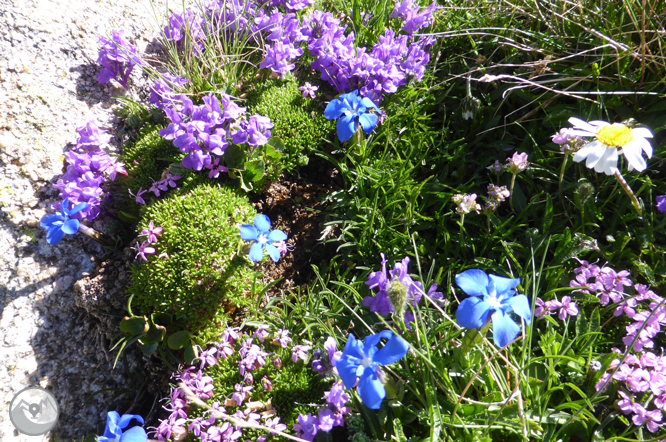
x=54, y=236
x=112, y=429
x=474, y=282
x=369, y=104
x=125, y=420
x=71, y=226
x=395, y=349
x=521, y=306
x=335, y=109
x=76, y=209
x=256, y=252
x=277, y=235
x=64, y=206
x=353, y=348
x=505, y=329
x=273, y=252
x=347, y=371
x=503, y=285
x=368, y=122
x=346, y=128
x=262, y=223
x=135, y=434
x=249, y=233
x=472, y=313
x=371, y=390
x=372, y=340
x=51, y=221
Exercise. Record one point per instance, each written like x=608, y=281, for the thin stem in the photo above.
x=513, y=181
x=625, y=186
x=564, y=164
x=93, y=234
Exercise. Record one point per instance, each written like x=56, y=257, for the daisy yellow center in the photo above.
x=615, y=135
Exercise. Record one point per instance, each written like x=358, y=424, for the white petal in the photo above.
x=580, y=124
x=598, y=124
x=608, y=162
x=582, y=133
x=586, y=150
x=595, y=155
x=632, y=152
x=643, y=144
x=641, y=132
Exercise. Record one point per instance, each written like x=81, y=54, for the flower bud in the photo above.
x=397, y=293
x=277, y=362
x=248, y=379
x=266, y=384
x=469, y=106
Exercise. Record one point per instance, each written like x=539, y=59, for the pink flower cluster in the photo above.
x=157, y=188
x=565, y=308
x=641, y=371
x=145, y=247
x=252, y=357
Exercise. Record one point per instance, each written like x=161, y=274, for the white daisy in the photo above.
x=602, y=153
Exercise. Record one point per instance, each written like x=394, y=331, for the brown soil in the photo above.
x=295, y=204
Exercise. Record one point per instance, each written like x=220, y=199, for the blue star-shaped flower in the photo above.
x=359, y=359
x=115, y=424
x=499, y=299
x=57, y=225
x=353, y=110
x=264, y=238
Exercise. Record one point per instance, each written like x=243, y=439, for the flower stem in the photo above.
x=564, y=164
x=513, y=181
x=625, y=186
x=93, y=234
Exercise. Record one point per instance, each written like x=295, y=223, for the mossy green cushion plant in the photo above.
x=299, y=122
x=199, y=269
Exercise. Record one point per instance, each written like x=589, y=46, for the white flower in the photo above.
x=602, y=154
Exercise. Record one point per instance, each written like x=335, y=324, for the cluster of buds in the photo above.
x=496, y=195
x=567, y=140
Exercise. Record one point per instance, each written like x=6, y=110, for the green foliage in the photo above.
x=199, y=269
x=299, y=123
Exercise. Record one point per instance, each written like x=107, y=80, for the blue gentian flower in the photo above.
x=354, y=109
x=363, y=360
x=264, y=238
x=499, y=299
x=115, y=424
x=57, y=225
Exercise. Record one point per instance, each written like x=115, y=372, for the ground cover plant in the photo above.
x=498, y=265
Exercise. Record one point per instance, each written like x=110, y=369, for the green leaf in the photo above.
x=190, y=353
x=276, y=145
x=179, y=340
x=155, y=334
x=128, y=217
x=133, y=326
x=595, y=321
x=234, y=157
x=254, y=170
x=582, y=325
x=149, y=349
x=548, y=215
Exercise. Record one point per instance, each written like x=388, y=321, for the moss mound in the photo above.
x=299, y=123
x=199, y=271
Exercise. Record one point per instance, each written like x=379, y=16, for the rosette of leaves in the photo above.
x=199, y=273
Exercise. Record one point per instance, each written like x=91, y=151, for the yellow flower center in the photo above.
x=615, y=135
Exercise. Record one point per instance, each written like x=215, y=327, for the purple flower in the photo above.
x=337, y=397
x=661, y=203
x=326, y=420
x=651, y=419
x=207, y=358
x=274, y=424
x=308, y=90
x=57, y=226
x=567, y=308
x=499, y=299
x=117, y=58
x=517, y=163
x=242, y=393
x=306, y=427
x=215, y=169
x=266, y=384
x=351, y=110
x=264, y=238
x=282, y=339
x=299, y=352
x=414, y=20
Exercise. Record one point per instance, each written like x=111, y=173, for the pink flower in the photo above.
x=626, y=404
x=651, y=417
x=143, y=250
x=517, y=163
x=152, y=233
x=282, y=339
x=638, y=381
x=308, y=90
x=299, y=352
x=540, y=308
x=567, y=308
x=137, y=197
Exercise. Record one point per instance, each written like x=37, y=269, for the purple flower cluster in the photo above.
x=496, y=195
x=252, y=357
x=117, y=57
x=382, y=303
x=88, y=167
x=602, y=282
x=145, y=247
x=661, y=203
x=324, y=363
x=205, y=130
